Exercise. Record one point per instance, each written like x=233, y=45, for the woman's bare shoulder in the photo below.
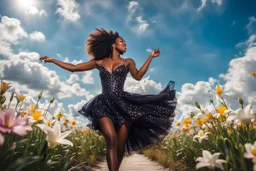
x=129, y=60
x=98, y=61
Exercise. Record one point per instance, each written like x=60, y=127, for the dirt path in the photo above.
x=135, y=162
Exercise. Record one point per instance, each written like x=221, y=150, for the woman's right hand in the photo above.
x=45, y=59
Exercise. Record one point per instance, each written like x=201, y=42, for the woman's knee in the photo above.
x=111, y=140
x=109, y=131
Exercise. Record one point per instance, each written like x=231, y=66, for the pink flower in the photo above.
x=10, y=123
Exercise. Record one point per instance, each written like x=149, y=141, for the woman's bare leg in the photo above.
x=109, y=132
x=122, y=134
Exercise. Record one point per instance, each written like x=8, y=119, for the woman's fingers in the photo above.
x=43, y=58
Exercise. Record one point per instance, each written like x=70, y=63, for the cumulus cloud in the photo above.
x=11, y=30
x=5, y=48
x=238, y=82
x=144, y=86
x=36, y=35
x=25, y=69
x=68, y=9
x=32, y=10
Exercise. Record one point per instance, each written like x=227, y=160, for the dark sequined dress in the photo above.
x=151, y=114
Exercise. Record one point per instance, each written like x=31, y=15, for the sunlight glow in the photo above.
x=26, y=3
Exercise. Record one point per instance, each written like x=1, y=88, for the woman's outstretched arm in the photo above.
x=85, y=66
x=138, y=74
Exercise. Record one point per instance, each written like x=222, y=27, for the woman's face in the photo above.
x=120, y=45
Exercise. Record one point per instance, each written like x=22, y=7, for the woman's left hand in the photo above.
x=155, y=53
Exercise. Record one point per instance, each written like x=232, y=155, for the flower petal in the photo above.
x=219, y=165
x=247, y=109
x=20, y=130
x=201, y=164
x=1, y=139
x=56, y=129
x=207, y=155
x=65, y=142
x=215, y=156
x=64, y=134
x=201, y=159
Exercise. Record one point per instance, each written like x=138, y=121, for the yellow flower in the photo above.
x=200, y=121
x=100, y=137
x=31, y=108
x=60, y=115
x=229, y=132
x=209, y=116
x=23, y=114
x=187, y=121
x=37, y=115
x=20, y=97
x=85, y=131
x=187, y=125
x=218, y=90
x=184, y=128
x=178, y=124
x=254, y=127
x=73, y=123
x=4, y=87
x=240, y=125
x=254, y=74
x=65, y=122
x=49, y=123
x=220, y=111
x=206, y=130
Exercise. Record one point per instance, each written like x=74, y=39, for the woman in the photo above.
x=129, y=122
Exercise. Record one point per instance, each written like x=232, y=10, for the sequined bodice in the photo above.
x=113, y=82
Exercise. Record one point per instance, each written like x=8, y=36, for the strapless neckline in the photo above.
x=114, y=69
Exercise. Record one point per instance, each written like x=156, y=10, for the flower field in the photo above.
x=215, y=138
x=31, y=138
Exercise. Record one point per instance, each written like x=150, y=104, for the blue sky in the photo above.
x=198, y=40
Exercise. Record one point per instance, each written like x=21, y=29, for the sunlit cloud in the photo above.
x=68, y=9
x=36, y=35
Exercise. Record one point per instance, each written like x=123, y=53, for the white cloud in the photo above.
x=25, y=69
x=142, y=24
x=252, y=20
x=149, y=50
x=144, y=86
x=87, y=77
x=73, y=62
x=72, y=78
x=239, y=81
x=203, y=5
x=248, y=43
x=36, y=35
x=11, y=30
x=68, y=9
x=35, y=11
x=132, y=7
x=5, y=48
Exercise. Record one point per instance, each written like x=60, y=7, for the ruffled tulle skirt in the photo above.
x=151, y=115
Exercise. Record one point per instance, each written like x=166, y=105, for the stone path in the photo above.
x=135, y=162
